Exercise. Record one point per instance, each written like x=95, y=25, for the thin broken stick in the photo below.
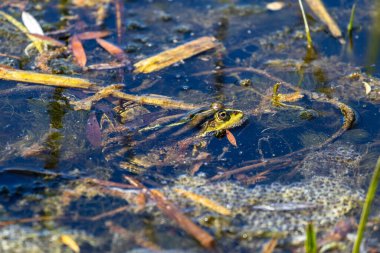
x=114, y=91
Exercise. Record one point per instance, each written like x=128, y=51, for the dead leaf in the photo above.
x=69, y=242
x=92, y=35
x=231, y=138
x=78, y=51
x=275, y=6
x=31, y=23
x=93, y=133
x=367, y=88
x=112, y=49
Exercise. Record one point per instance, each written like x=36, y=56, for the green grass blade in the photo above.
x=366, y=208
x=350, y=25
x=311, y=239
x=307, y=30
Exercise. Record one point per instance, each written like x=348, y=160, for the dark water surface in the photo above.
x=49, y=153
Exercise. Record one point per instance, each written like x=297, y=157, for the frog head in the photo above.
x=223, y=119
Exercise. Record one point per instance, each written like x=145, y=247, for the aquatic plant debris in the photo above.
x=204, y=201
x=204, y=238
x=171, y=56
x=114, y=91
x=321, y=12
x=45, y=79
x=69, y=242
x=78, y=51
x=36, y=42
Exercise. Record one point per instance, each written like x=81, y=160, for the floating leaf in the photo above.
x=231, y=138
x=112, y=49
x=69, y=242
x=31, y=23
x=78, y=51
x=93, y=35
x=93, y=133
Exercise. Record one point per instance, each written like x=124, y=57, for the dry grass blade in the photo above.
x=320, y=11
x=231, y=138
x=204, y=202
x=107, y=65
x=204, y=238
x=174, y=55
x=270, y=246
x=78, y=51
x=47, y=40
x=69, y=242
x=92, y=35
x=45, y=79
x=37, y=43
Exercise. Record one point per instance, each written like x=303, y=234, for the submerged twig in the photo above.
x=204, y=238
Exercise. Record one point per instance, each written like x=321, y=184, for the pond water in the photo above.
x=306, y=160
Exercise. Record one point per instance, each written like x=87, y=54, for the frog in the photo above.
x=120, y=142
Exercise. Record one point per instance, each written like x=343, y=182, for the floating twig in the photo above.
x=45, y=79
x=171, y=56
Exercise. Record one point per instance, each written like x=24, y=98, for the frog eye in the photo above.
x=222, y=115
